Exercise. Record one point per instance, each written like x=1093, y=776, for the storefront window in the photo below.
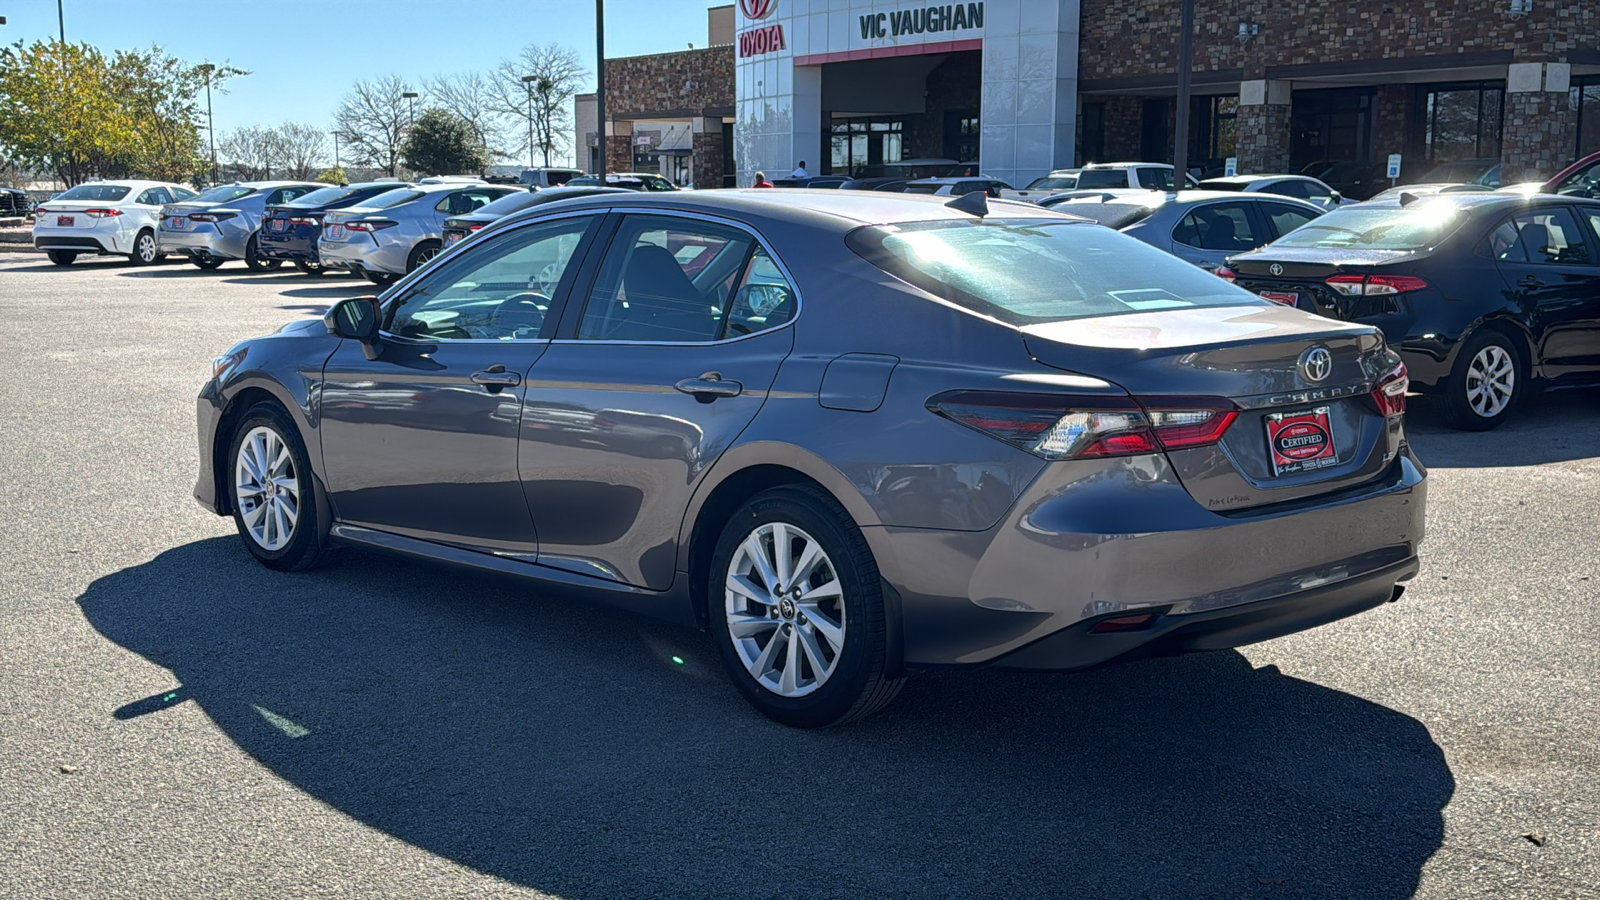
x=1461, y=121
x=962, y=135
x=1585, y=99
x=860, y=146
x=1213, y=130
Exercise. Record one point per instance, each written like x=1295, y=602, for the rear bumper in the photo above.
x=80, y=243
x=287, y=247
x=1096, y=539
x=1078, y=647
x=362, y=255
x=202, y=244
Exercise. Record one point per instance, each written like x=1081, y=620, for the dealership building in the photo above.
x=1018, y=87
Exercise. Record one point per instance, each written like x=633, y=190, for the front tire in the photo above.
x=62, y=257
x=1484, y=386
x=145, y=252
x=797, y=610
x=274, y=503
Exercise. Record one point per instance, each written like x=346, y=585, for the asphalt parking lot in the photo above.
x=176, y=720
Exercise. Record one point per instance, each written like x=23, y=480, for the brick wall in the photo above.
x=1537, y=141
x=687, y=82
x=1263, y=138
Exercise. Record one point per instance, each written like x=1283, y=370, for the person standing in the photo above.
x=800, y=171
x=761, y=180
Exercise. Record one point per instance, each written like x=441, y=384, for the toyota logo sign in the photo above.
x=1275, y=269
x=757, y=9
x=1316, y=364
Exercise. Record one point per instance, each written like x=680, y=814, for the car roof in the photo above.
x=1483, y=202
x=802, y=205
x=1122, y=165
x=953, y=179
x=131, y=183
x=1155, y=199
x=1252, y=179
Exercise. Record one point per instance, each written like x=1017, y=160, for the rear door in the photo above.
x=656, y=371
x=1211, y=232
x=1550, y=267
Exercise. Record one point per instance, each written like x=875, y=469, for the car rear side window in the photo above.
x=500, y=290
x=1546, y=237
x=1286, y=218
x=1219, y=226
x=1102, y=178
x=683, y=281
x=1297, y=189
x=1155, y=179
x=1028, y=271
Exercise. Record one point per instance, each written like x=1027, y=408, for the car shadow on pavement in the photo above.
x=591, y=753
x=1545, y=427
x=332, y=291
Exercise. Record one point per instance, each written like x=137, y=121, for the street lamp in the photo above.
x=207, y=69
x=529, y=80
x=412, y=96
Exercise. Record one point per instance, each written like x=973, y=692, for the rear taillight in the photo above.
x=302, y=220
x=475, y=226
x=1056, y=426
x=212, y=216
x=371, y=225
x=1390, y=391
x=1370, y=285
x=1227, y=274
x=102, y=213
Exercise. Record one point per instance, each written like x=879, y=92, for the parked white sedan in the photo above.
x=105, y=217
x=1300, y=187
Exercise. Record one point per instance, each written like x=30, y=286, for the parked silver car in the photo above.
x=1053, y=445
x=394, y=233
x=1203, y=227
x=222, y=223
x=1300, y=187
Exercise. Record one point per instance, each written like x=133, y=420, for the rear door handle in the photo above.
x=1530, y=281
x=495, y=378
x=709, y=386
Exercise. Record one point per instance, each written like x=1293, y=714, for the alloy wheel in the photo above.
x=784, y=607
x=146, y=248
x=1491, y=380
x=267, y=488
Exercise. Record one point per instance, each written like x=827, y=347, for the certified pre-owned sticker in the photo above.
x=1300, y=441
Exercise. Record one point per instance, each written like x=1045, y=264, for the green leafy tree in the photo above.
x=334, y=175
x=443, y=143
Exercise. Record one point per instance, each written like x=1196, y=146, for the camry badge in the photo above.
x=1276, y=268
x=1316, y=364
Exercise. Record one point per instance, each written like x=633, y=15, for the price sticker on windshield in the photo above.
x=1300, y=441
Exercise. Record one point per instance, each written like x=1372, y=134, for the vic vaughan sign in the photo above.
x=934, y=19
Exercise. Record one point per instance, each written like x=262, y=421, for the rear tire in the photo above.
x=1484, y=386
x=145, y=251
x=382, y=279
x=62, y=257
x=254, y=259
x=811, y=652
x=421, y=253
x=312, y=269
x=274, y=501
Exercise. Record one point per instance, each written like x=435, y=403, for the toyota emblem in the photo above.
x=1316, y=364
x=1276, y=268
x=757, y=9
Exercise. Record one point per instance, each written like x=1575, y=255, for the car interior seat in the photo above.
x=663, y=304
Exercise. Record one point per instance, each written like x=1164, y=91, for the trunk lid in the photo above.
x=1251, y=355
x=1302, y=279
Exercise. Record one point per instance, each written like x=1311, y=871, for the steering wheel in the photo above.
x=521, y=315
x=549, y=277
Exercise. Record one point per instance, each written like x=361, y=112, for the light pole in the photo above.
x=211, y=130
x=529, y=80
x=412, y=96
x=600, y=81
x=1180, y=141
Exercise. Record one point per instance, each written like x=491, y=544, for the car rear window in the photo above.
x=390, y=199
x=1102, y=178
x=224, y=194
x=915, y=188
x=104, y=192
x=1414, y=227
x=1054, y=183
x=1028, y=271
x=1221, y=185
x=510, y=203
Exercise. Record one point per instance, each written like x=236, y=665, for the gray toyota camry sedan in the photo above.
x=851, y=434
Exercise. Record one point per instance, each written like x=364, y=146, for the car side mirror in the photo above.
x=356, y=319
x=1337, y=197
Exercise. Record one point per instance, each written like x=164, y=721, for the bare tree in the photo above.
x=471, y=96
x=300, y=148
x=537, y=86
x=251, y=152
x=373, y=118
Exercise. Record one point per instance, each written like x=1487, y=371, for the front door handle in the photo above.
x=1530, y=281
x=495, y=378
x=709, y=386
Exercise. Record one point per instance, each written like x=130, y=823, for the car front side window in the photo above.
x=499, y=290
x=1542, y=237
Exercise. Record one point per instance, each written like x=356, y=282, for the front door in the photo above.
x=1552, y=271
x=422, y=441
x=651, y=379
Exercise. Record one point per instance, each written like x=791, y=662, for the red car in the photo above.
x=1582, y=178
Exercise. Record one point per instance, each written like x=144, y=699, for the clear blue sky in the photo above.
x=305, y=55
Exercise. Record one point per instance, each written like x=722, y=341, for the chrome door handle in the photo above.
x=496, y=377
x=1531, y=281
x=709, y=386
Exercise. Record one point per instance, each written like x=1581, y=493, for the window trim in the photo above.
x=572, y=313
x=593, y=232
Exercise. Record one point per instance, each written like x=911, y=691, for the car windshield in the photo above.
x=324, y=196
x=510, y=203
x=1102, y=178
x=102, y=192
x=1424, y=224
x=390, y=199
x=1028, y=271
x=224, y=194
x=1054, y=183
